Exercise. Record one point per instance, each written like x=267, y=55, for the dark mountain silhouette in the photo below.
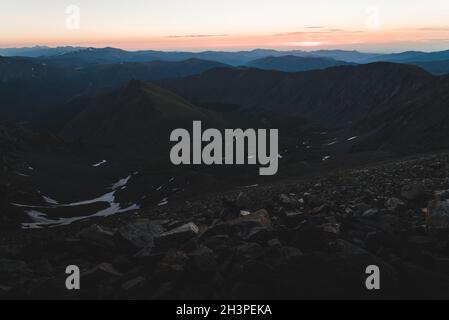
x=295, y=64
x=113, y=74
x=410, y=123
x=345, y=55
x=90, y=56
x=22, y=68
x=435, y=67
x=337, y=96
x=138, y=114
x=411, y=56
x=387, y=106
x=37, y=51
x=30, y=86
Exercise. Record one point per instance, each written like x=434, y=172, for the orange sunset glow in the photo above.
x=202, y=25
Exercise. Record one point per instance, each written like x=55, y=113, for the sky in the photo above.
x=195, y=25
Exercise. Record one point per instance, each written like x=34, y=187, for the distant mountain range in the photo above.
x=83, y=56
x=434, y=62
x=295, y=63
x=70, y=90
x=37, y=51
x=436, y=67
x=411, y=56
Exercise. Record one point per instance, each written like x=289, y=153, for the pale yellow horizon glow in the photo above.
x=377, y=25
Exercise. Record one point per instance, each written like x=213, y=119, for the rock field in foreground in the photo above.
x=304, y=239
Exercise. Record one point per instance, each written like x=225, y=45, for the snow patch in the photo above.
x=99, y=164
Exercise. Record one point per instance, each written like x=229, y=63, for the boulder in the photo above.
x=394, y=204
x=177, y=236
x=140, y=233
x=331, y=228
x=287, y=200
x=259, y=218
x=371, y=213
x=437, y=215
x=413, y=192
x=98, y=236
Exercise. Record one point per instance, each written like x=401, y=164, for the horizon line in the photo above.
x=83, y=47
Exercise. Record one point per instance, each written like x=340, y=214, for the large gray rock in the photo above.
x=413, y=192
x=178, y=235
x=438, y=215
x=140, y=233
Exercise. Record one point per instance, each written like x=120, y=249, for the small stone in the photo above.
x=133, y=284
x=321, y=209
x=287, y=200
x=313, y=201
x=274, y=243
x=244, y=213
x=332, y=228
x=394, y=204
x=259, y=218
x=371, y=213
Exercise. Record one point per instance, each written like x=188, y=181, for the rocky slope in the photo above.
x=306, y=239
x=335, y=97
